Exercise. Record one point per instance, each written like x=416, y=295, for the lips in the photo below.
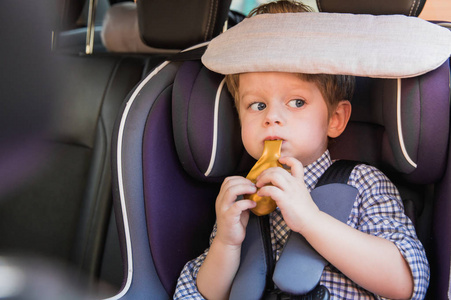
x=273, y=138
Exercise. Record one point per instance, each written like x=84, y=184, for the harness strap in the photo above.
x=251, y=278
x=338, y=172
x=299, y=267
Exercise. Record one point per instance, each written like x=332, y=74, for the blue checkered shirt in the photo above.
x=378, y=210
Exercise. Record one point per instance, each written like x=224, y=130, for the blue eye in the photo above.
x=296, y=103
x=258, y=106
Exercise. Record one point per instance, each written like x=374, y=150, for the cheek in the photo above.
x=315, y=129
x=250, y=142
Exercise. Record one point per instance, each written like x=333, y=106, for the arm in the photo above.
x=216, y=274
x=372, y=262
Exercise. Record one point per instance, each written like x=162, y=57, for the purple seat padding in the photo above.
x=194, y=100
x=179, y=209
x=372, y=134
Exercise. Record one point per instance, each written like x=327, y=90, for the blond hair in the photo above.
x=282, y=6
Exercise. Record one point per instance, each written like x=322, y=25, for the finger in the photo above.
x=239, y=210
x=270, y=191
x=235, y=182
x=233, y=187
x=275, y=176
x=243, y=205
x=297, y=169
x=232, y=193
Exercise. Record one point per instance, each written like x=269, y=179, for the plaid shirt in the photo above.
x=378, y=210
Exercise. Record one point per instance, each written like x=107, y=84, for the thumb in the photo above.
x=297, y=169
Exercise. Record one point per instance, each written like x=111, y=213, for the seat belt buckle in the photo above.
x=320, y=292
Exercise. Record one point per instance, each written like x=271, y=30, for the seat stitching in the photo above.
x=318, y=2
x=210, y=20
x=412, y=7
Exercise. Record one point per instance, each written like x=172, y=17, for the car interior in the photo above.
x=113, y=180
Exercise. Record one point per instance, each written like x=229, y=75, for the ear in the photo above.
x=339, y=119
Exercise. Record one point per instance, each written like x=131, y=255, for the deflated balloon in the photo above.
x=269, y=159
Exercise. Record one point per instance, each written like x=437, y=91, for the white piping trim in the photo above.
x=196, y=46
x=399, y=124
x=449, y=285
x=215, y=129
x=121, y=184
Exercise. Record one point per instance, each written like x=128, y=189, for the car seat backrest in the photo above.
x=383, y=7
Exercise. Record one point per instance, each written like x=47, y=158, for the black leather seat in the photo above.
x=62, y=209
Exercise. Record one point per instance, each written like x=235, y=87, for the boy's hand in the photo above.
x=232, y=216
x=289, y=192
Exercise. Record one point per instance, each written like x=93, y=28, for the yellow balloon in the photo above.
x=269, y=159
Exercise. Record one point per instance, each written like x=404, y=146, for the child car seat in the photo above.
x=178, y=137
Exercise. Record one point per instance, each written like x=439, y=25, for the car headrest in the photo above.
x=171, y=24
x=120, y=32
x=380, y=7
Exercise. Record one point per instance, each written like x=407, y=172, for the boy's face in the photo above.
x=277, y=105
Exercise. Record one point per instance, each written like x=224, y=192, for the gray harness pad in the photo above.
x=300, y=267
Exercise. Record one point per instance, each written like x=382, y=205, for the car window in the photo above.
x=437, y=10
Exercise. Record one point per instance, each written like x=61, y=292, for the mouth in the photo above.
x=273, y=138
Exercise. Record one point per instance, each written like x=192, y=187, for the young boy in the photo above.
x=376, y=254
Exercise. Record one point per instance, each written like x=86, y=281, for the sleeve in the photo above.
x=381, y=213
x=186, y=284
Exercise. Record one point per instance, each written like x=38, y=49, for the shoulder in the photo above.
x=373, y=184
x=367, y=175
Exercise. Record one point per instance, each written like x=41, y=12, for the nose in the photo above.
x=273, y=116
